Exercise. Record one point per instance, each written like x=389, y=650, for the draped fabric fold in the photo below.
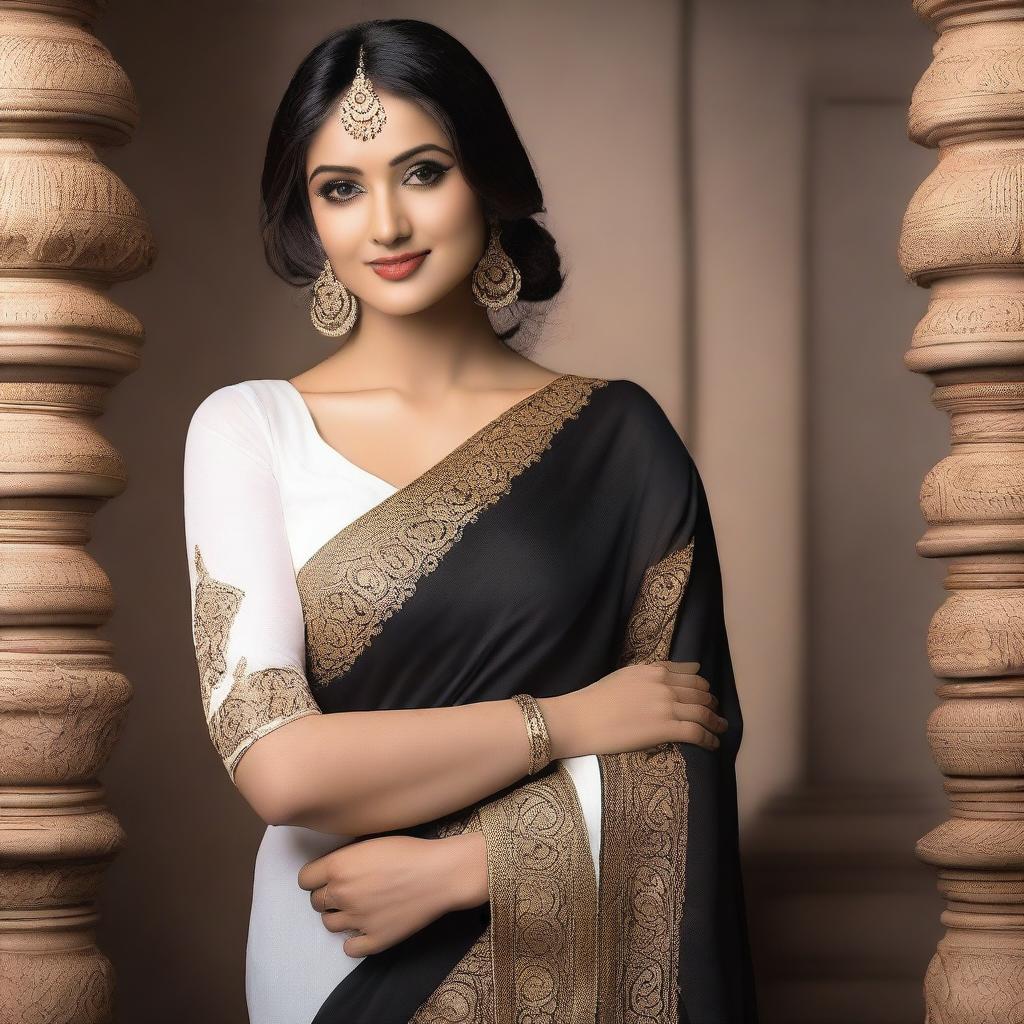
x=645, y=796
x=567, y=538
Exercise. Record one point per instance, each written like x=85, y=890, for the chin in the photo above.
x=405, y=306
x=400, y=298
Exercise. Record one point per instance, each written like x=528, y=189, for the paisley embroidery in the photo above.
x=257, y=702
x=543, y=894
x=536, y=959
x=644, y=817
x=651, y=622
x=366, y=572
x=466, y=996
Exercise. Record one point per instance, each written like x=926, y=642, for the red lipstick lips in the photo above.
x=394, y=268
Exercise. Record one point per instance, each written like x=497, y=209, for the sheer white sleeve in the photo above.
x=246, y=615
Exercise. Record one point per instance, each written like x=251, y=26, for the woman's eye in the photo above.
x=435, y=173
x=328, y=189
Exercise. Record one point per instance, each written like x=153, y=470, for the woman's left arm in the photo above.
x=246, y=618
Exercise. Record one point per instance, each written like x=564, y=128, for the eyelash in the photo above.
x=329, y=186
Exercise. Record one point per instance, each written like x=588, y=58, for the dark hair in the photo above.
x=425, y=64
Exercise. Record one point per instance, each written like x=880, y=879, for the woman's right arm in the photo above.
x=360, y=772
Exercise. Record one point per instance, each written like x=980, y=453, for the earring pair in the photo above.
x=496, y=284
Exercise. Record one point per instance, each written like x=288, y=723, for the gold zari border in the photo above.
x=258, y=702
x=644, y=816
x=536, y=960
x=369, y=569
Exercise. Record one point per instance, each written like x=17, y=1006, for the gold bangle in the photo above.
x=536, y=732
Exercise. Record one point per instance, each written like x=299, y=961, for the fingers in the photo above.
x=699, y=724
x=314, y=874
x=693, y=694
x=687, y=668
x=687, y=711
x=336, y=920
x=341, y=921
x=694, y=704
x=687, y=688
x=320, y=900
x=695, y=733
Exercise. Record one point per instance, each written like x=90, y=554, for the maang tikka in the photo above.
x=362, y=113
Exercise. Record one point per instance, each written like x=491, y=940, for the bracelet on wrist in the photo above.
x=536, y=732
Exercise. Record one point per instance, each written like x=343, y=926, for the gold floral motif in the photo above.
x=367, y=571
x=644, y=820
x=536, y=959
x=217, y=605
x=543, y=894
x=652, y=620
x=644, y=807
x=466, y=996
x=258, y=702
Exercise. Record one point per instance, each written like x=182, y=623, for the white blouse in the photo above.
x=263, y=491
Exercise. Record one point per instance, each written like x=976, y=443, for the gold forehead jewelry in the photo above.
x=362, y=113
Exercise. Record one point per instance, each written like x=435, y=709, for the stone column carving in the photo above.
x=963, y=237
x=69, y=228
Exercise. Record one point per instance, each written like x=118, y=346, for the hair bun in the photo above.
x=531, y=247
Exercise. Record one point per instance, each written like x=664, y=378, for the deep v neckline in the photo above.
x=321, y=442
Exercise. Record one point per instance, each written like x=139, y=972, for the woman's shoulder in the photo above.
x=236, y=413
x=640, y=432
x=228, y=402
x=641, y=411
x=627, y=392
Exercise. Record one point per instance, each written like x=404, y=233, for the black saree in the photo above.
x=569, y=536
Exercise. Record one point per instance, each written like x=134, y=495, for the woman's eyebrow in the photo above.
x=391, y=163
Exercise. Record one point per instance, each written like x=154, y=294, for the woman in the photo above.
x=527, y=810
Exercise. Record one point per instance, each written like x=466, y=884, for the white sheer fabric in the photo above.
x=263, y=491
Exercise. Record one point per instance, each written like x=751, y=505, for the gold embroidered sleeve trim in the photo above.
x=257, y=702
x=644, y=822
x=368, y=570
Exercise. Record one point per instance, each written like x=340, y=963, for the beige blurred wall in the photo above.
x=812, y=436
x=597, y=92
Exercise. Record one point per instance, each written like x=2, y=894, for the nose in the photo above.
x=389, y=220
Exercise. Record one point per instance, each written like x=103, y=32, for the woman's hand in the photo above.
x=389, y=887
x=634, y=708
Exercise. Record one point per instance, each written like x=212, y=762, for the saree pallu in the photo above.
x=568, y=537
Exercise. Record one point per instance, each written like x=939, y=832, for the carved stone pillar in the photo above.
x=963, y=236
x=69, y=228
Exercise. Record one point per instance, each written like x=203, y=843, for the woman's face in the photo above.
x=400, y=192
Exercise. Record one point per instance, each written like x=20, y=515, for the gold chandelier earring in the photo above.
x=496, y=279
x=334, y=308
